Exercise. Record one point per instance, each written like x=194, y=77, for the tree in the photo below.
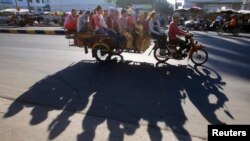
x=109, y=1
x=161, y=6
x=124, y=3
x=164, y=7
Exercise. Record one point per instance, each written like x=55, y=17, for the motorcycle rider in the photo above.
x=174, y=31
x=217, y=22
x=232, y=23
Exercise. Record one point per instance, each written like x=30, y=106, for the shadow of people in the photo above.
x=130, y=92
x=67, y=90
x=123, y=95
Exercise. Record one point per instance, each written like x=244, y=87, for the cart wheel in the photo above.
x=116, y=58
x=199, y=57
x=101, y=53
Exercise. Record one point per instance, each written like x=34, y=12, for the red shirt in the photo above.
x=70, y=22
x=92, y=22
x=131, y=22
x=174, y=31
x=110, y=22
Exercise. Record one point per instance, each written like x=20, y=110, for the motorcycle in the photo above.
x=202, y=25
x=196, y=52
x=215, y=24
x=224, y=29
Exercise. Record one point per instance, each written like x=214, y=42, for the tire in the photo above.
x=101, y=53
x=116, y=58
x=199, y=57
x=159, y=57
x=219, y=30
x=236, y=32
x=120, y=49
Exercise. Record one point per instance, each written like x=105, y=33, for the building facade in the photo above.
x=215, y=5
x=246, y=5
x=5, y=4
x=36, y=5
x=67, y=5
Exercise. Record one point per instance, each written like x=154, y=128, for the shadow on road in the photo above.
x=127, y=93
x=228, y=54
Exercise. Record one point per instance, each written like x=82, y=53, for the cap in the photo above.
x=176, y=15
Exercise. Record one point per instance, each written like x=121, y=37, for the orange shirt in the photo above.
x=233, y=22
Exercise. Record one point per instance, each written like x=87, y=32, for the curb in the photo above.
x=22, y=31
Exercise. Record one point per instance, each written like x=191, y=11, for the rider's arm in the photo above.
x=159, y=27
x=151, y=28
x=178, y=31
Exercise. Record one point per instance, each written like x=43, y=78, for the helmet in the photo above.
x=176, y=15
x=233, y=16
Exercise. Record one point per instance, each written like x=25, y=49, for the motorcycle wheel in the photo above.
x=236, y=32
x=101, y=53
x=220, y=30
x=199, y=57
x=161, y=55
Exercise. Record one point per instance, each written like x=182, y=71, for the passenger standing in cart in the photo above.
x=131, y=23
x=100, y=24
x=143, y=39
x=82, y=23
x=113, y=28
x=101, y=27
x=123, y=29
x=71, y=21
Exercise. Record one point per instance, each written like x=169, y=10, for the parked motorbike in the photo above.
x=224, y=29
x=196, y=52
x=202, y=25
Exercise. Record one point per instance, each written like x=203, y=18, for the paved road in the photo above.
x=59, y=91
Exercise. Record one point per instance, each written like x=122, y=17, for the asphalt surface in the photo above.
x=52, y=91
x=29, y=116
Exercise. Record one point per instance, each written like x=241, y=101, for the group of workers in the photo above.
x=136, y=30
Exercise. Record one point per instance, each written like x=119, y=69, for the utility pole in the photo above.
x=17, y=7
x=28, y=3
x=176, y=7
